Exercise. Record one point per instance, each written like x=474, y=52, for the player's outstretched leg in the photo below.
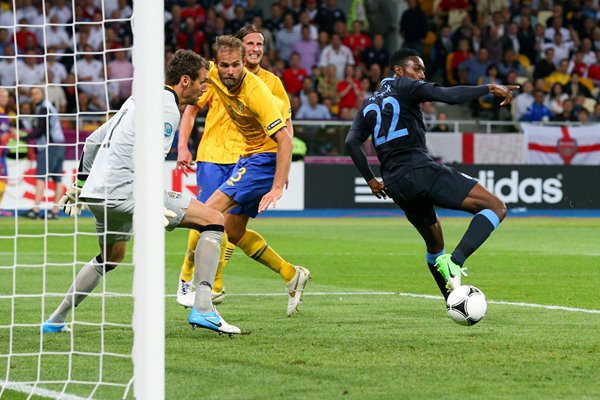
x=296, y=278
x=481, y=227
x=203, y=314
x=87, y=279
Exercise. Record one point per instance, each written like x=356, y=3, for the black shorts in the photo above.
x=419, y=190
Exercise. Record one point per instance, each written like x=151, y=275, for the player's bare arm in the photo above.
x=282, y=170
x=184, y=157
x=378, y=188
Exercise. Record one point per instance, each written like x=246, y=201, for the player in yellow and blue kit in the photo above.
x=259, y=171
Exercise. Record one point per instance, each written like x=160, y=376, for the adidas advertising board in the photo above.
x=530, y=186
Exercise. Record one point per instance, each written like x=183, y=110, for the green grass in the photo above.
x=340, y=346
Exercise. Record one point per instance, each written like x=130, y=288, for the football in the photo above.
x=466, y=305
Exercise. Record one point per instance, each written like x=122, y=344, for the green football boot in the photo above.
x=451, y=272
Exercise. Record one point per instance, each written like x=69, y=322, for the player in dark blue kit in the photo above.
x=416, y=183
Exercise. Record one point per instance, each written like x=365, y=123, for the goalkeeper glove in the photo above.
x=168, y=214
x=69, y=201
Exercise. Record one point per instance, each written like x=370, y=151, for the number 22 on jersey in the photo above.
x=392, y=133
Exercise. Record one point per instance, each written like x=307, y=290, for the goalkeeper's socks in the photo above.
x=437, y=276
x=87, y=279
x=209, y=249
x=480, y=228
x=255, y=246
x=187, y=268
x=203, y=298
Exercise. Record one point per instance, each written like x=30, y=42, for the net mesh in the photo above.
x=78, y=55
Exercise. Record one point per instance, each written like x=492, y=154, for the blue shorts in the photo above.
x=250, y=180
x=210, y=176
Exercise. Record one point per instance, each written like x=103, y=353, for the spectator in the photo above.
x=561, y=75
x=523, y=100
x=577, y=65
x=545, y=66
x=92, y=73
x=439, y=53
x=429, y=114
x=286, y=37
x=538, y=110
x=456, y=58
x=561, y=48
x=23, y=34
x=596, y=116
x=441, y=125
x=176, y=24
x=192, y=39
x=226, y=9
x=239, y=19
x=376, y=54
x=31, y=72
x=328, y=83
x=294, y=75
x=252, y=10
x=307, y=87
x=307, y=48
x=275, y=21
x=337, y=54
x=378, y=15
x=122, y=69
x=556, y=98
x=56, y=94
x=328, y=15
x=57, y=37
x=589, y=56
x=50, y=153
x=557, y=28
x=375, y=75
x=195, y=11
x=349, y=89
x=510, y=63
x=493, y=43
x=583, y=116
x=357, y=41
x=306, y=21
x=313, y=110
x=526, y=36
x=489, y=101
x=575, y=88
x=413, y=26
x=594, y=70
x=566, y=115
x=8, y=70
x=474, y=68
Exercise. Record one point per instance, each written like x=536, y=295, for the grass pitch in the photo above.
x=360, y=333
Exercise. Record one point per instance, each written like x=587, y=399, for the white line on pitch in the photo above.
x=421, y=296
x=27, y=389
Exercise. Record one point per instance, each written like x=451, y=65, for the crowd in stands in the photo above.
x=329, y=59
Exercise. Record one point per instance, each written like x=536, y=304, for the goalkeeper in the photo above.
x=105, y=183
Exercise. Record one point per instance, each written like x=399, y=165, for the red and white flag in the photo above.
x=566, y=145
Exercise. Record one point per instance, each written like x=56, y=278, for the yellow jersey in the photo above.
x=221, y=142
x=253, y=109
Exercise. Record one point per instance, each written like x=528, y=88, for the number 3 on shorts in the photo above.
x=240, y=173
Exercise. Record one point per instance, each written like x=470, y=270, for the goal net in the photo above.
x=66, y=66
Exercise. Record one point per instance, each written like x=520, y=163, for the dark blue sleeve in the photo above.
x=357, y=135
x=421, y=91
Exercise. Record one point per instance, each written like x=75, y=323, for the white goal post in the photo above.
x=39, y=258
x=149, y=250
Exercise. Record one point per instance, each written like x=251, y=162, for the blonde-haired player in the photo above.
x=230, y=131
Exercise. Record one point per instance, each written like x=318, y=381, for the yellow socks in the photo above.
x=225, y=257
x=255, y=246
x=187, y=268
